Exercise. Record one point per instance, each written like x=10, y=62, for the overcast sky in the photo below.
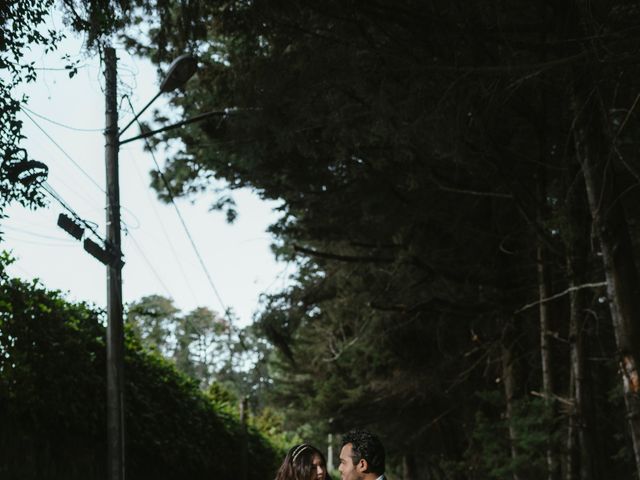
x=159, y=257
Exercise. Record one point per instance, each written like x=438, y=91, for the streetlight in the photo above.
x=181, y=70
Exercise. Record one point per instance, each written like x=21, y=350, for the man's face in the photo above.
x=348, y=471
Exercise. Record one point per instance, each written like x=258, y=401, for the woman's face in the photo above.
x=319, y=469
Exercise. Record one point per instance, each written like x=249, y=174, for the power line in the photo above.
x=186, y=229
x=58, y=69
x=34, y=234
x=149, y=264
x=60, y=178
x=58, y=198
x=69, y=127
x=134, y=217
x=82, y=194
x=22, y=269
x=34, y=242
x=193, y=244
x=89, y=225
x=79, y=167
x=166, y=236
x=65, y=153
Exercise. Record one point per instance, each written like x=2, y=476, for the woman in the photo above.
x=303, y=462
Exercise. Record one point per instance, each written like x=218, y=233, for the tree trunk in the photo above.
x=594, y=148
x=583, y=458
x=545, y=314
x=580, y=436
x=544, y=291
x=610, y=229
x=509, y=383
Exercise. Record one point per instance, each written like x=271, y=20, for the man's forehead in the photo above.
x=347, y=450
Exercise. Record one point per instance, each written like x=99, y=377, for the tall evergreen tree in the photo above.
x=430, y=158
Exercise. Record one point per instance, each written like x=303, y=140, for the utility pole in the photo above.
x=180, y=71
x=115, y=334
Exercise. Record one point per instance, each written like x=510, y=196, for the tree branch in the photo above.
x=341, y=258
x=561, y=294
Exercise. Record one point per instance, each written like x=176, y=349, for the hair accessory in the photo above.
x=298, y=450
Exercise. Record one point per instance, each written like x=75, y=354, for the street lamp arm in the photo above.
x=197, y=118
x=180, y=70
x=139, y=113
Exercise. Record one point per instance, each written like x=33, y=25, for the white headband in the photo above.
x=298, y=450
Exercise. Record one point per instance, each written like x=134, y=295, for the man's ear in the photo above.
x=362, y=466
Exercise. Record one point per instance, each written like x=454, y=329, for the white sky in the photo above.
x=237, y=256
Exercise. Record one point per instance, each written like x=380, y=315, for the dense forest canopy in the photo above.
x=446, y=168
x=459, y=197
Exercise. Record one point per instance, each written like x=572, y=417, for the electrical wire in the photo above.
x=47, y=119
x=56, y=196
x=34, y=234
x=65, y=153
x=89, y=225
x=60, y=178
x=22, y=269
x=34, y=242
x=149, y=264
x=58, y=69
x=186, y=229
x=83, y=196
x=166, y=237
x=280, y=276
x=123, y=207
x=193, y=244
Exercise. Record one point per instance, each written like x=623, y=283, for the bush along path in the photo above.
x=52, y=402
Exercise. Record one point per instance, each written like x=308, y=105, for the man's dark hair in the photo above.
x=366, y=445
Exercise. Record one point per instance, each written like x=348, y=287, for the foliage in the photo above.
x=200, y=343
x=231, y=368
x=23, y=27
x=432, y=191
x=20, y=30
x=152, y=319
x=52, y=401
x=423, y=154
x=489, y=454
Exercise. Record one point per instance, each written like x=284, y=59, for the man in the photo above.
x=361, y=457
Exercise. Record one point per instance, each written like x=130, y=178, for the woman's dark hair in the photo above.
x=298, y=463
x=366, y=445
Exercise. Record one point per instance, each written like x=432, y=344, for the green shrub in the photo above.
x=53, y=394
